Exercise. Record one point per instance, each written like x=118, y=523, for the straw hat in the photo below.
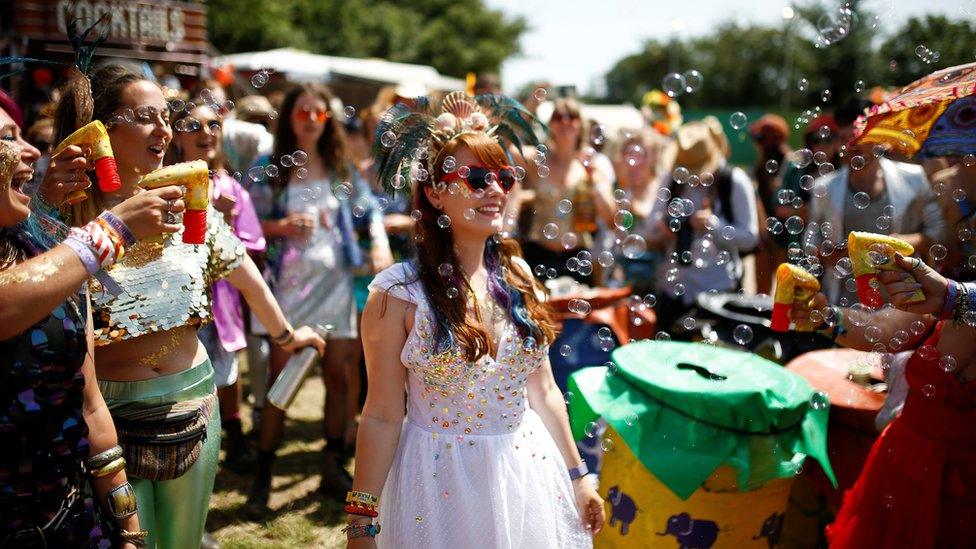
x=697, y=146
x=251, y=107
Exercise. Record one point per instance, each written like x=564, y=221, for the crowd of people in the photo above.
x=411, y=266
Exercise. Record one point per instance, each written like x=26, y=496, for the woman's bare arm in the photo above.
x=30, y=290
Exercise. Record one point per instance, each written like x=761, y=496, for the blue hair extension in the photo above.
x=507, y=296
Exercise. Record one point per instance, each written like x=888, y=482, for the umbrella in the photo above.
x=933, y=116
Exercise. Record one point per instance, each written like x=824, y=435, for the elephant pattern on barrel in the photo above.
x=691, y=533
x=622, y=508
x=771, y=529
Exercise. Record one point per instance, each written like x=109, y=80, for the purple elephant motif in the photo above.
x=622, y=508
x=691, y=533
x=771, y=529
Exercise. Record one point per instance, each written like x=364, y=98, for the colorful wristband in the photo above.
x=952, y=292
x=579, y=471
x=85, y=254
x=361, y=530
x=120, y=227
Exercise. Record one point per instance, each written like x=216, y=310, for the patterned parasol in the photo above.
x=933, y=116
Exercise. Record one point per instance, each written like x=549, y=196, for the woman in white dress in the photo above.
x=485, y=455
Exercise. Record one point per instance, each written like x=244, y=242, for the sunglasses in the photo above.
x=312, y=115
x=479, y=178
x=564, y=117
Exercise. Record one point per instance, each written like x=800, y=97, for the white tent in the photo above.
x=614, y=118
x=302, y=66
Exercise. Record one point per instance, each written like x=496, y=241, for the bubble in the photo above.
x=947, y=363
x=416, y=215
x=580, y=306
x=565, y=350
x=820, y=157
x=540, y=94
x=738, y=120
x=802, y=84
x=664, y=194
x=958, y=195
x=349, y=111
x=861, y=200
x=772, y=166
x=806, y=182
x=300, y=158
x=564, y=206
x=631, y=419
x=287, y=161
x=449, y=164
x=634, y=246
x=256, y=173
x=928, y=390
x=568, y=397
x=857, y=162
x=937, y=252
x=859, y=86
x=592, y=429
x=543, y=172
x=569, y=241
x=927, y=353
x=673, y=84
x=680, y=175
x=398, y=181
x=649, y=300
x=469, y=214
x=623, y=220
x=872, y=334
x=529, y=345
x=693, y=80
x=259, y=79
x=878, y=151
x=688, y=323
x=679, y=289
x=605, y=259
x=969, y=160
x=794, y=225
x=388, y=139
x=728, y=232
x=607, y=444
x=742, y=334
x=453, y=292
x=819, y=400
x=271, y=170
x=843, y=268
x=550, y=273
x=445, y=269
x=773, y=225
x=825, y=168
x=826, y=95
x=662, y=336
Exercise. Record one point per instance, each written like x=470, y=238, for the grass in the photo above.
x=300, y=517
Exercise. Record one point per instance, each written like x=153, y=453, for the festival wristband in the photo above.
x=118, y=243
x=952, y=292
x=119, y=226
x=354, y=496
x=85, y=254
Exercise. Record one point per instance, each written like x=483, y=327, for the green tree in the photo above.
x=454, y=36
x=952, y=40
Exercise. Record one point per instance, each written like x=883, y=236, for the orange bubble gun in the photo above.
x=195, y=176
x=793, y=284
x=871, y=253
x=94, y=136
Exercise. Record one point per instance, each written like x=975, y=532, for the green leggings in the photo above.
x=173, y=511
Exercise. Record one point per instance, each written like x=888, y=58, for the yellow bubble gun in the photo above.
x=793, y=284
x=195, y=176
x=871, y=253
x=93, y=135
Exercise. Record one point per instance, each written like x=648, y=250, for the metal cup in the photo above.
x=291, y=378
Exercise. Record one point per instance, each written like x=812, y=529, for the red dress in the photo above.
x=918, y=485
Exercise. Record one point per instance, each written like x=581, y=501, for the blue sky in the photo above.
x=577, y=41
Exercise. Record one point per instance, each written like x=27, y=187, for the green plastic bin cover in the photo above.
x=687, y=408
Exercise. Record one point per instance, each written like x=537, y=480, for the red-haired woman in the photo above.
x=484, y=452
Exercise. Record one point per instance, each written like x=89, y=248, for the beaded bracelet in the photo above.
x=361, y=509
x=361, y=530
x=119, y=226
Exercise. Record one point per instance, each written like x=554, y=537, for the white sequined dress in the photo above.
x=475, y=466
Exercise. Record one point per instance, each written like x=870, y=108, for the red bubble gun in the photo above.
x=94, y=136
x=871, y=253
x=195, y=177
x=793, y=284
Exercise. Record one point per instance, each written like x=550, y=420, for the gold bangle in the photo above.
x=121, y=501
x=135, y=538
x=104, y=458
x=112, y=467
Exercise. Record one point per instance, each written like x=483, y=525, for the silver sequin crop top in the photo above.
x=165, y=283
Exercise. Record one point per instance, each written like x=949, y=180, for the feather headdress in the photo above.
x=415, y=133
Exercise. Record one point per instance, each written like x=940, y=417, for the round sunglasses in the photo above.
x=479, y=178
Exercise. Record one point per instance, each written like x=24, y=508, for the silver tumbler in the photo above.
x=283, y=391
